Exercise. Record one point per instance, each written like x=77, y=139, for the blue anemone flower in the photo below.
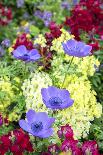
x=56, y=98
x=26, y=55
x=76, y=48
x=38, y=124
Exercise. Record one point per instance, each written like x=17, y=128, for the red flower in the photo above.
x=90, y=147
x=16, y=150
x=53, y=148
x=5, y=15
x=5, y=139
x=71, y=145
x=65, y=132
x=86, y=16
x=55, y=29
x=95, y=46
x=54, y=32
x=23, y=40
x=49, y=38
x=5, y=144
x=22, y=140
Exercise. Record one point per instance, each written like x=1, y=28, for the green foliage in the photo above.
x=96, y=132
x=4, y=129
x=34, y=30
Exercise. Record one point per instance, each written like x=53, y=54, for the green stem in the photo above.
x=24, y=70
x=35, y=141
x=70, y=62
x=54, y=112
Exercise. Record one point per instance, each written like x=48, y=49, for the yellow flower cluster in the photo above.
x=82, y=67
x=6, y=94
x=85, y=65
x=85, y=106
x=7, y=100
x=32, y=90
x=40, y=40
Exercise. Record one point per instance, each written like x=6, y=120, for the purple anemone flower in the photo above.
x=26, y=55
x=6, y=43
x=38, y=124
x=56, y=98
x=65, y=5
x=75, y=2
x=77, y=48
x=20, y=3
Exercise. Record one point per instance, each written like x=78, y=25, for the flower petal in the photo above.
x=30, y=115
x=20, y=51
x=46, y=133
x=53, y=91
x=34, y=55
x=64, y=94
x=24, y=125
x=41, y=117
x=86, y=50
x=33, y=52
x=67, y=104
x=45, y=94
x=49, y=123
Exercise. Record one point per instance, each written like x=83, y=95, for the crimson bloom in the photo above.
x=65, y=132
x=54, y=148
x=5, y=143
x=5, y=15
x=70, y=146
x=23, y=40
x=90, y=147
x=21, y=143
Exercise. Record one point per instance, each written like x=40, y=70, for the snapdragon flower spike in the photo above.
x=90, y=147
x=54, y=148
x=65, y=132
x=76, y=48
x=38, y=124
x=56, y=98
x=71, y=147
x=22, y=53
x=23, y=39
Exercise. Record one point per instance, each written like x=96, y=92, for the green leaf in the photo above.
x=34, y=30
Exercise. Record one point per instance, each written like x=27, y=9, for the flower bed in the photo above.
x=49, y=102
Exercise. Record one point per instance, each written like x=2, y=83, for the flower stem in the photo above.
x=25, y=70
x=70, y=62
x=35, y=141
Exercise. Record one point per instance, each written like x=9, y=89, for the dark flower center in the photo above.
x=25, y=55
x=55, y=101
x=36, y=126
